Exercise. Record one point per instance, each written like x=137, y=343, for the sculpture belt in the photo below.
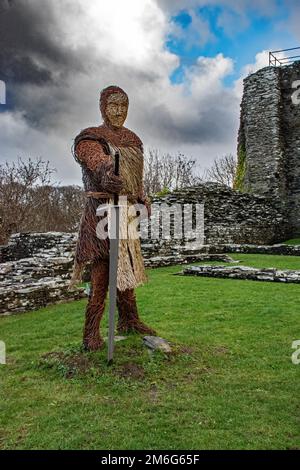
x=133, y=198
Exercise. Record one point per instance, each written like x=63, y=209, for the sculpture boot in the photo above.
x=129, y=320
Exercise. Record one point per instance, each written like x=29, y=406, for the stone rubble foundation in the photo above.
x=35, y=268
x=244, y=273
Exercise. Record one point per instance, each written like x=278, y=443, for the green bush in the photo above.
x=239, y=179
x=163, y=192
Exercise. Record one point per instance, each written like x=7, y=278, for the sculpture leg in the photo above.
x=129, y=320
x=92, y=340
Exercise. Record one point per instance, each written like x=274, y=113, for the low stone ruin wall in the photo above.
x=35, y=294
x=35, y=271
x=232, y=217
x=41, y=245
x=160, y=261
x=243, y=273
x=279, y=249
x=172, y=250
x=36, y=268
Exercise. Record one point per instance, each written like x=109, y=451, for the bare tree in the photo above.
x=62, y=208
x=28, y=202
x=222, y=170
x=168, y=172
x=17, y=202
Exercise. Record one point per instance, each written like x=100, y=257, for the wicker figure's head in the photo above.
x=114, y=106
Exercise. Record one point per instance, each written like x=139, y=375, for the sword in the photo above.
x=113, y=268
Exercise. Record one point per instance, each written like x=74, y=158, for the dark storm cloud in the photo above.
x=31, y=53
x=29, y=50
x=56, y=58
x=197, y=128
x=21, y=43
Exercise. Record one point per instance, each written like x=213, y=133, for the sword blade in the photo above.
x=113, y=272
x=113, y=267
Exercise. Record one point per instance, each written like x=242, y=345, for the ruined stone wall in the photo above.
x=231, y=216
x=34, y=271
x=261, y=133
x=291, y=143
x=39, y=245
x=35, y=268
x=269, y=140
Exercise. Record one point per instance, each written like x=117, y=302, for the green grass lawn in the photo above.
x=293, y=241
x=230, y=383
x=258, y=261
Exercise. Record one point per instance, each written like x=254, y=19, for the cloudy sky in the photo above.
x=181, y=62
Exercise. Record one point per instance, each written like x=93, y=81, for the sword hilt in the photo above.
x=117, y=173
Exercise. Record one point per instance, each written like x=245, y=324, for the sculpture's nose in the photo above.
x=119, y=110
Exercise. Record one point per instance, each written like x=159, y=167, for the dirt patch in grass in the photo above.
x=134, y=350
x=188, y=350
x=153, y=393
x=3, y=437
x=22, y=434
x=220, y=350
x=23, y=378
x=130, y=370
x=206, y=370
x=69, y=364
x=10, y=361
x=195, y=373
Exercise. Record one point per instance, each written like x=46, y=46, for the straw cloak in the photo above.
x=94, y=150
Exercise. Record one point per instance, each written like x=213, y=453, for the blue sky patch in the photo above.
x=239, y=37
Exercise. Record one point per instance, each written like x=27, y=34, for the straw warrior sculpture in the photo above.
x=94, y=150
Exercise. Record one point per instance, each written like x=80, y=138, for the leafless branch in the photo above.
x=222, y=170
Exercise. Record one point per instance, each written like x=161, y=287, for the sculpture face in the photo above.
x=116, y=109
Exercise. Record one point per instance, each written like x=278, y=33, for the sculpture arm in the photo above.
x=91, y=154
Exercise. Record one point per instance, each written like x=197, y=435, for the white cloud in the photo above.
x=292, y=22
x=20, y=140
x=261, y=61
x=265, y=7
x=197, y=33
x=123, y=45
x=232, y=22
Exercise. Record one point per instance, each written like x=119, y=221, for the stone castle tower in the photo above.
x=269, y=139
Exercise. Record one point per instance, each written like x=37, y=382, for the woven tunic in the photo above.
x=94, y=151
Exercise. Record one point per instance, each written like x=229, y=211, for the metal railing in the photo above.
x=276, y=59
